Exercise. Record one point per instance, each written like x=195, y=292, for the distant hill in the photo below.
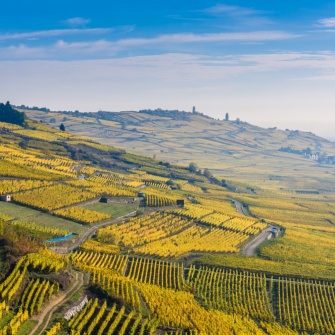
x=267, y=158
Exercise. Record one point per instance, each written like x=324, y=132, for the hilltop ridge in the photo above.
x=230, y=149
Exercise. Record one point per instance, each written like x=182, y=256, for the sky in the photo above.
x=270, y=63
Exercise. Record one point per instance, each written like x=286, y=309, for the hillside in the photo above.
x=267, y=158
x=93, y=242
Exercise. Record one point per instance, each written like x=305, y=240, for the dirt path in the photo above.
x=250, y=248
x=45, y=316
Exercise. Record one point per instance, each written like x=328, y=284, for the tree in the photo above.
x=208, y=174
x=10, y=115
x=193, y=109
x=62, y=127
x=227, y=117
x=193, y=167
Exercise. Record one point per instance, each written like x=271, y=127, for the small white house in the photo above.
x=6, y=197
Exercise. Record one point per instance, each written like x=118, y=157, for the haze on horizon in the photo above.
x=270, y=64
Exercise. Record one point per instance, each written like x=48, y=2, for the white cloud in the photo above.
x=242, y=16
x=77, y=21
x=213, y=37
x=108, y=48
x=207, y=67
x=327, y=22
x=53, y=33
x=230, y=10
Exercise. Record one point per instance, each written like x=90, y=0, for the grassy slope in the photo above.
x=243, y=152
x=32, y=215
x=116, y=210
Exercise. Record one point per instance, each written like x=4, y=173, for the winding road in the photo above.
x=249, y=249
x=93, y=230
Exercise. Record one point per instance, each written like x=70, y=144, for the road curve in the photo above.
x=250, y=248
x=92, y=230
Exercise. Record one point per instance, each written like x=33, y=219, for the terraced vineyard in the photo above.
x=170, y=269
x=303, y=305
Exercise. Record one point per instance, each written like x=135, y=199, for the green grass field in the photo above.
x=115, y=210
x=27, y=214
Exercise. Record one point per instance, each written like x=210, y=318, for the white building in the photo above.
x=6, y=197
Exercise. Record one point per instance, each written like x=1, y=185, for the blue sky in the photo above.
x=270, y=63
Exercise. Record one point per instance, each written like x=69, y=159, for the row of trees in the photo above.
x=207, y=173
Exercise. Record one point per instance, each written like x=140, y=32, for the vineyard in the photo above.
x=306, y=305
x=237, y=292
x=15, y=309
x=152, y=267
x=172, y=235
x=36, y=293
x=82, y=215
x=101, y=319
x=167, y=287
x=52, y=197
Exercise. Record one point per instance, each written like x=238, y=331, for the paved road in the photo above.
x=239, y=207
x=92, y=230
x=250, y=249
